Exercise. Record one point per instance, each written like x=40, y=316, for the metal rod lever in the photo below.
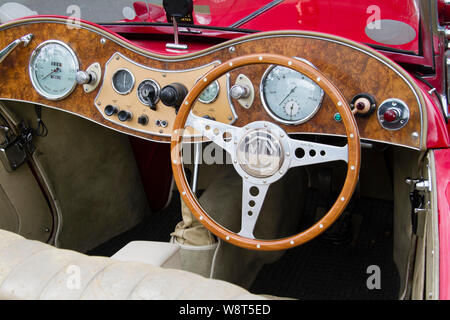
x=25, y=40
x=176, y=45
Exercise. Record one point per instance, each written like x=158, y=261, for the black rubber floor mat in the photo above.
x=156, y=227
x=321, y=271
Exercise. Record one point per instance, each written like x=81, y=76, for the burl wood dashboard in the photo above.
x=354, y=69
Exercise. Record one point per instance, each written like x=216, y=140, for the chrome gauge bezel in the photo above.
x=133, y=81
x=269, y=110
x=35, y=82
x=157, y=89
x=215, y=96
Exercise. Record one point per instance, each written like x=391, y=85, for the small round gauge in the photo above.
x=289, y=96
x=210, y=94
x=123, y=81
x=53, y=68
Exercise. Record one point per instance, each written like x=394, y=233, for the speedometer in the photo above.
x=289, y=96
x=53, y=68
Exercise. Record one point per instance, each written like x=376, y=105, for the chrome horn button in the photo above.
x=260, y=153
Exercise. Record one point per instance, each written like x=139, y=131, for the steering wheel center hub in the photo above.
x=260, y=153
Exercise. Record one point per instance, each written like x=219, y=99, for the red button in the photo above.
x=391, y=115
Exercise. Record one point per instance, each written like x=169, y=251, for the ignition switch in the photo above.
x=148, y=93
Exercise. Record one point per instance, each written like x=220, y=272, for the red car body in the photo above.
x=344, y=18
x=423, y=56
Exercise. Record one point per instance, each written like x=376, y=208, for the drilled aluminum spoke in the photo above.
x=224, y=135
x=305, y=153
x=252, y=200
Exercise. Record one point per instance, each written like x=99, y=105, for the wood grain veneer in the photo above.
x=351, y=67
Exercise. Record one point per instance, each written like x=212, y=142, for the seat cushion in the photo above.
x=34, y=270
x=160, y=254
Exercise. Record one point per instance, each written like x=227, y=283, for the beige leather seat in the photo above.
x=34, y=270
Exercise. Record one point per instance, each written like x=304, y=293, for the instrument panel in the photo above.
x=139, y=97
x=94, y=74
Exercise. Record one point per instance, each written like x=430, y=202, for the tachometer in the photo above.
x=289, y=96
x=53, y=68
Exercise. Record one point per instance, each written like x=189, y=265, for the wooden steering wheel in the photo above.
x=240, y=143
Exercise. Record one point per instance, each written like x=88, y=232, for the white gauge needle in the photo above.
x=290, y=92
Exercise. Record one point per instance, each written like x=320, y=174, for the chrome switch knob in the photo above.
x=84, y=77
x=239, y=92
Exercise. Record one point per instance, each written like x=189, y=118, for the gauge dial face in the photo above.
x=210, y=94
x=53, y=68
x=123, y=81
x=289, y=96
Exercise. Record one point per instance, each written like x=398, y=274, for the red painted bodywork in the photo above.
x=345, y=18
x=442, y=160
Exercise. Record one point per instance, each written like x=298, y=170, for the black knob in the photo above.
x=110, y=110
x=143, y=120
x=173, y=95
x=168, y=96
x=124, y=115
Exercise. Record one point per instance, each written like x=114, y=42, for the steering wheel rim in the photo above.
x=353, y=149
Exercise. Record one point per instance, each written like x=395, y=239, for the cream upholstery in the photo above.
x=34, y=270
x=160, y=254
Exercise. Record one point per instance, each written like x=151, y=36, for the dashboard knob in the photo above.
x=168, y=96
x=84, y=77
x=110, y=110
x=124, y=115
x=391, y=115
x=143, y=120
x=239, y=92
x=173, y=95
